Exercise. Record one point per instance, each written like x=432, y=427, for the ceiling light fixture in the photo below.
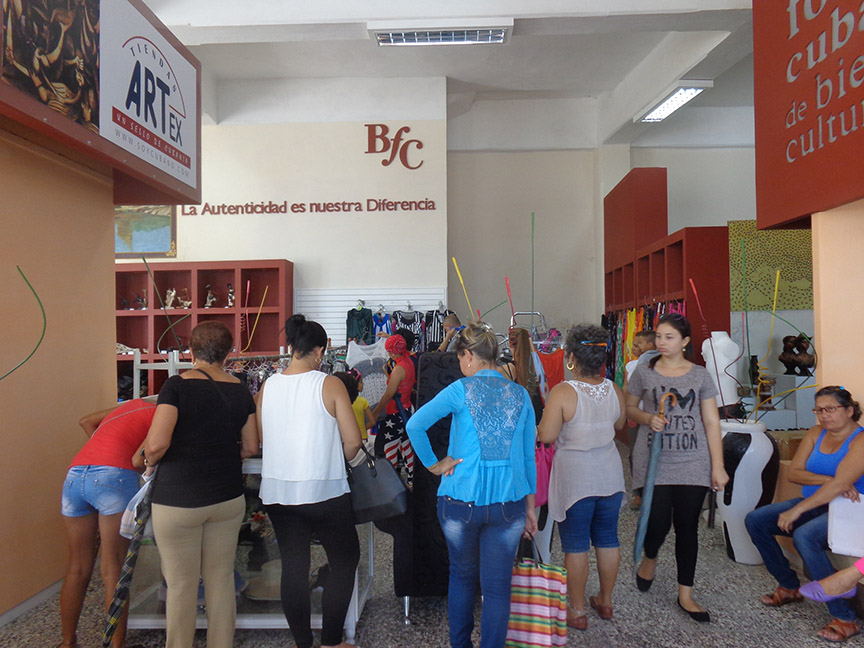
x=405, y=33
x=672, y=100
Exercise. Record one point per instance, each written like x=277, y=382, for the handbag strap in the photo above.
x=218, y=391
x=370, y=461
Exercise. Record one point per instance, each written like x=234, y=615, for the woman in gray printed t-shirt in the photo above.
x=691, y=454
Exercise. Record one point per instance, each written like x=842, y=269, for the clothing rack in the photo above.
x=172, y=365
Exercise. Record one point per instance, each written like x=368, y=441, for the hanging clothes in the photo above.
x=381, y=324
x=369, y=360
x=434, y=323
x=359, y=327
x=553, y=366
x=413, y=321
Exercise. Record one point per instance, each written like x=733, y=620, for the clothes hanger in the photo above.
x=360, y=304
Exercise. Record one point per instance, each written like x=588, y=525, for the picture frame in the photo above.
x=145, y=231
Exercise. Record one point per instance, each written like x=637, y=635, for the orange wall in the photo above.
x=57, y=225
x=838, y=296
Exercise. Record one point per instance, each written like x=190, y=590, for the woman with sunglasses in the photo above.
x=828, y=463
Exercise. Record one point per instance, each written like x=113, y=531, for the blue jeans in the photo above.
x=97, y=489
x=482, y=541
x=810, y=536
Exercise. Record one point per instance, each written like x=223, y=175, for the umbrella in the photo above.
x=121, y=590
x=648, y=490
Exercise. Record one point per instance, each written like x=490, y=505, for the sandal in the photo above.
x=580, y=622
x=603, y=611
x=781, y=596
x=841, y=630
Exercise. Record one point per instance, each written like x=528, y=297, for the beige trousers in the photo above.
x=192, y=542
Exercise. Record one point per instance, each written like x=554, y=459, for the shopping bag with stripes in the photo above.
x=538, y=605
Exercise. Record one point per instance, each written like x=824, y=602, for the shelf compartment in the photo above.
x=627, y=283
x=128, y=285
x=176, y=279
x=253, y=282
x=658, y=272
x=675, y=267
x=265, y=336
x=182, y=327
x=643, y=279
x=218, y=279
x=132, y=331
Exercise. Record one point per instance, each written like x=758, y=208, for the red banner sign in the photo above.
x=809, y=107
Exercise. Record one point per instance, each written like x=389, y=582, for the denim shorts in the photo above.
x=98, y=489
x=591, y=520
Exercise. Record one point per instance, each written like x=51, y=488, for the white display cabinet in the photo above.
x=147, y=597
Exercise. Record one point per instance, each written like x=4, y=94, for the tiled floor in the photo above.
x=730, y=591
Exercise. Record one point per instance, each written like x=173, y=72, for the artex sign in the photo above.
x=149, y=97
x=809, y=106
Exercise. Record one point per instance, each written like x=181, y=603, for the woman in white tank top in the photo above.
x=587, y=481
x=308, y=430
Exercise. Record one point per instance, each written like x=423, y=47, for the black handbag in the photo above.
x=377, y=492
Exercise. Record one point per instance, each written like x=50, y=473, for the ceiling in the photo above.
x=622, y=56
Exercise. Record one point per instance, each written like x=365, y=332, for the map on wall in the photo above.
x=757, y=256
x=145, y=230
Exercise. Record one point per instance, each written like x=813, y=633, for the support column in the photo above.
x=838, y=296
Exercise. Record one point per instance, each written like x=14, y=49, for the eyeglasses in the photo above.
x=826, y=410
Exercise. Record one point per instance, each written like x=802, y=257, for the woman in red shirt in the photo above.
x=392, y=440
x=101, y=480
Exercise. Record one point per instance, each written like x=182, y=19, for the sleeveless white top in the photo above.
x=302, y=454
x=587, y=463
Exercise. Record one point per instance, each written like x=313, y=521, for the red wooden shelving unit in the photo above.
x=643, y=264
x=148, y=329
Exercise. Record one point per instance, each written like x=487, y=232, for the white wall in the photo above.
x=705, y=186
x=305, y=163
x=491, y=197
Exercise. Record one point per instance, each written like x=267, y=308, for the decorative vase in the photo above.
x=752, y=461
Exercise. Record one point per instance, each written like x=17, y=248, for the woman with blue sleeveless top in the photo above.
x=486, y=496
x=821, y=466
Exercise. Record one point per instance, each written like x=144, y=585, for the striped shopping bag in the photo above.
x=538, y=605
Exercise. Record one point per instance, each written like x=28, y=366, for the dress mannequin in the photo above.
x=726, y=352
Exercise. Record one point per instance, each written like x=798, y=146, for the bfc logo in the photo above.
x=398, y=146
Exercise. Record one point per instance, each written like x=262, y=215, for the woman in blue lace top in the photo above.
x=488, y=480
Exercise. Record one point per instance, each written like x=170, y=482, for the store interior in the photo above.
x=336, y=175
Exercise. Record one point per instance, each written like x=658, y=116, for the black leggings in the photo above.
x=332, y=522
x=677, y=506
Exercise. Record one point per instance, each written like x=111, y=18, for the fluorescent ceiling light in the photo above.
x=672, y=100
x=407, y=33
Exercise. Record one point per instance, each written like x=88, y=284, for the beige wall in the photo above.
x=490, y=200
x=58, y=227
x=706, y=186
x=304, y=163
x=838, y=286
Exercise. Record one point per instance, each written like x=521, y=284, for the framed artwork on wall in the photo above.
x=145, y=231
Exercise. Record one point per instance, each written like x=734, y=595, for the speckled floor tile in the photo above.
x=728, y=590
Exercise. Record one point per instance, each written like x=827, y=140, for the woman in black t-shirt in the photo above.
x=203, y=427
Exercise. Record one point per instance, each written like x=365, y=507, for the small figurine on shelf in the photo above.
x=230, y=296
x=788, y=358
x=141, y=301
x=185, y=301
x=124, y=304
x=796, y=356
x=170, y=294
x=211, y=297
x=806, y=360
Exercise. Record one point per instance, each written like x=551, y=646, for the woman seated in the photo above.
x=587, y=482
x=829, y=462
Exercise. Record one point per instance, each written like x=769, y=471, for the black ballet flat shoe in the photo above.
x=701, y=617
x=643, y=584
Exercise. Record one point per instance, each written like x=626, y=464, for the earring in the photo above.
x=570, y=365
x=469, y=365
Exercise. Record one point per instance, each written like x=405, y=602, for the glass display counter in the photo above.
x=257, y=575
